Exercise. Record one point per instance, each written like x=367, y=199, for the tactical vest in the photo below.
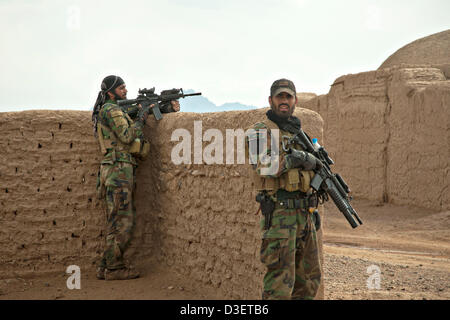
x=109, y=143
x=292, y=180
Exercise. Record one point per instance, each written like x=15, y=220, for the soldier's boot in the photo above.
x=100, y=273
x=121, y=274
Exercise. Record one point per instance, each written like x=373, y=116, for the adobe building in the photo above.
x=389, y=129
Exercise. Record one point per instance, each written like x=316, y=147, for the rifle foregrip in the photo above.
x=157, y=112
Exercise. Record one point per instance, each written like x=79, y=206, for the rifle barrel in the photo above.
x=193, y=94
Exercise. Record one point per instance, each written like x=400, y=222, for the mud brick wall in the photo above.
x=49, y=215
x=389, y=133
x=198, y=220
x=418, y=168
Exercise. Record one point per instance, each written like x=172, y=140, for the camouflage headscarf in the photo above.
x=109, y=84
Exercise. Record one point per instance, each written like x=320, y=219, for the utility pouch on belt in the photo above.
x=140, y=148
x=267, y=208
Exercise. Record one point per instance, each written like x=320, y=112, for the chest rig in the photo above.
x=290, y=181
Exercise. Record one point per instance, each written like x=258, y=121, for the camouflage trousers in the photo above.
x=290, y=252
x=116, y=184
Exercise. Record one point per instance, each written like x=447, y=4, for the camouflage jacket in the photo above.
x=118, y=131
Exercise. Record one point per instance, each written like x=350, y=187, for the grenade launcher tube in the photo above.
x=332, y=184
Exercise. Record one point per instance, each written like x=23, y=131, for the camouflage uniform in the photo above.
x=289, y=248
x=116, y=180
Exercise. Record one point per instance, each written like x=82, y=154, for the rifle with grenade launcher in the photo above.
x=327, y=183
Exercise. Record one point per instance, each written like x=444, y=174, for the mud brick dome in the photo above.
x=433, y=50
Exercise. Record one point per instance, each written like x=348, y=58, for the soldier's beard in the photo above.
x=117, y=97
x=283, y=115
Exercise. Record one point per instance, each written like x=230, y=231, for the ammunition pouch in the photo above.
x=293, y=180
x=140, y=148
x=296, y=180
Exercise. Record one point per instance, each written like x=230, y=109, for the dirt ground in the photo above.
x=407, y=247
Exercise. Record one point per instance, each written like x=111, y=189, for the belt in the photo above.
x=113, y=155
x=293, y=204
x=283, y=194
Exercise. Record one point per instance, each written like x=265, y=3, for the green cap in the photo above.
x=282, y=85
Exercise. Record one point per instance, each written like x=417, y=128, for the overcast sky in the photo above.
x=54, y=54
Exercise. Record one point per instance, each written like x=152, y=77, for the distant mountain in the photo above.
x=201, y=104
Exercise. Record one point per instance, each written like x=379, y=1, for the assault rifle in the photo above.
x=147, y=97
x=327, y=183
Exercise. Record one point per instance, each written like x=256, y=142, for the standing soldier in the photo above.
x=289, y=248
x=122, y=142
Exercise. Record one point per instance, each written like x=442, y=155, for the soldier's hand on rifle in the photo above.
x=303, y=160
x=175, y=105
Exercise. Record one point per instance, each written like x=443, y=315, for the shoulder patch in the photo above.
x=116, y=113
